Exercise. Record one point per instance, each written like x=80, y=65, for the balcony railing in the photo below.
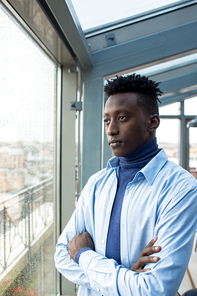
x=23, y=217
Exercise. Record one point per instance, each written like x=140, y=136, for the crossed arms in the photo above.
x=84, y=240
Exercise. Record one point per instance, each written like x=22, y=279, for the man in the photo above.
x=139, y=196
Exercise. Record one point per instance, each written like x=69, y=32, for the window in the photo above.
x=172, y=109
x=27, y=162
x=190, y=109
x=168, y=138
x=191, y=106
x=104, y=12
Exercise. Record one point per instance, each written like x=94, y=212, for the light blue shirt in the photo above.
x=161, y=201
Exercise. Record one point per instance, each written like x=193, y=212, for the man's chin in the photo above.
x=118, y=153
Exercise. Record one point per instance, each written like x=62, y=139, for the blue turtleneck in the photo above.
x=128, y=167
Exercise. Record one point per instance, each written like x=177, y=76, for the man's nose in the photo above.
x=112, y=128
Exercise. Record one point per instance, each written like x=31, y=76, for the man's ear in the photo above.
x=154, y=122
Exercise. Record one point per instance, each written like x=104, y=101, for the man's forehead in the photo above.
x=121, y=101
x=129, y=96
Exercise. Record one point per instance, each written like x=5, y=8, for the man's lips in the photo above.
x=114, y=143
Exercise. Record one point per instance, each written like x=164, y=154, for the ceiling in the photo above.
x=117, y=37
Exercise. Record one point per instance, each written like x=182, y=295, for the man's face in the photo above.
x=126, y=124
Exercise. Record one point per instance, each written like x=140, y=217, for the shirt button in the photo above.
x=107, y=211
x=103, y=241
x=98, y=289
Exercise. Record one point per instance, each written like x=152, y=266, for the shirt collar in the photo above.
x=150, y=170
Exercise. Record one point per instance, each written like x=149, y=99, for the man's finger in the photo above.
x=150, y=250
x=151, y=243
x=147, y=259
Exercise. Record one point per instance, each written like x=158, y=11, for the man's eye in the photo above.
x=121, y=118
x=106, y=120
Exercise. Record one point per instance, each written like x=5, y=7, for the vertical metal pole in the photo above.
x=184, y=141
x=4, y=235
x=57, y=174
x=29, y=224
x=29, y=201
x=25, y=218
x=182, y=138
x=44, y=204
x=78, y=147
x=186, y=147
x=31, y=213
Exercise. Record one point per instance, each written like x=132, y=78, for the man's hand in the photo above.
x=145, y=257
x=80, y=241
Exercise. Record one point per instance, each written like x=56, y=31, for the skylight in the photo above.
x=162, y=67
x=94, y=13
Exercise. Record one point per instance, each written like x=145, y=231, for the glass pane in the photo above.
x=191, y=106
x=172, y=109
x=96, y=13
x=164, y=66
x=27, y=149
x=168, y=138
x=193, y=151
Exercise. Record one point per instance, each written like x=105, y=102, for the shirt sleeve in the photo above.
x=63, y=262
x=78, y=254
x=175, y=229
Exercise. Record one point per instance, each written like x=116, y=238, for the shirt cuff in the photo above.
x=77, y=255
x=86, y=258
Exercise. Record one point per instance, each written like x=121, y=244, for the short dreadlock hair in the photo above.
x=147, y=90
